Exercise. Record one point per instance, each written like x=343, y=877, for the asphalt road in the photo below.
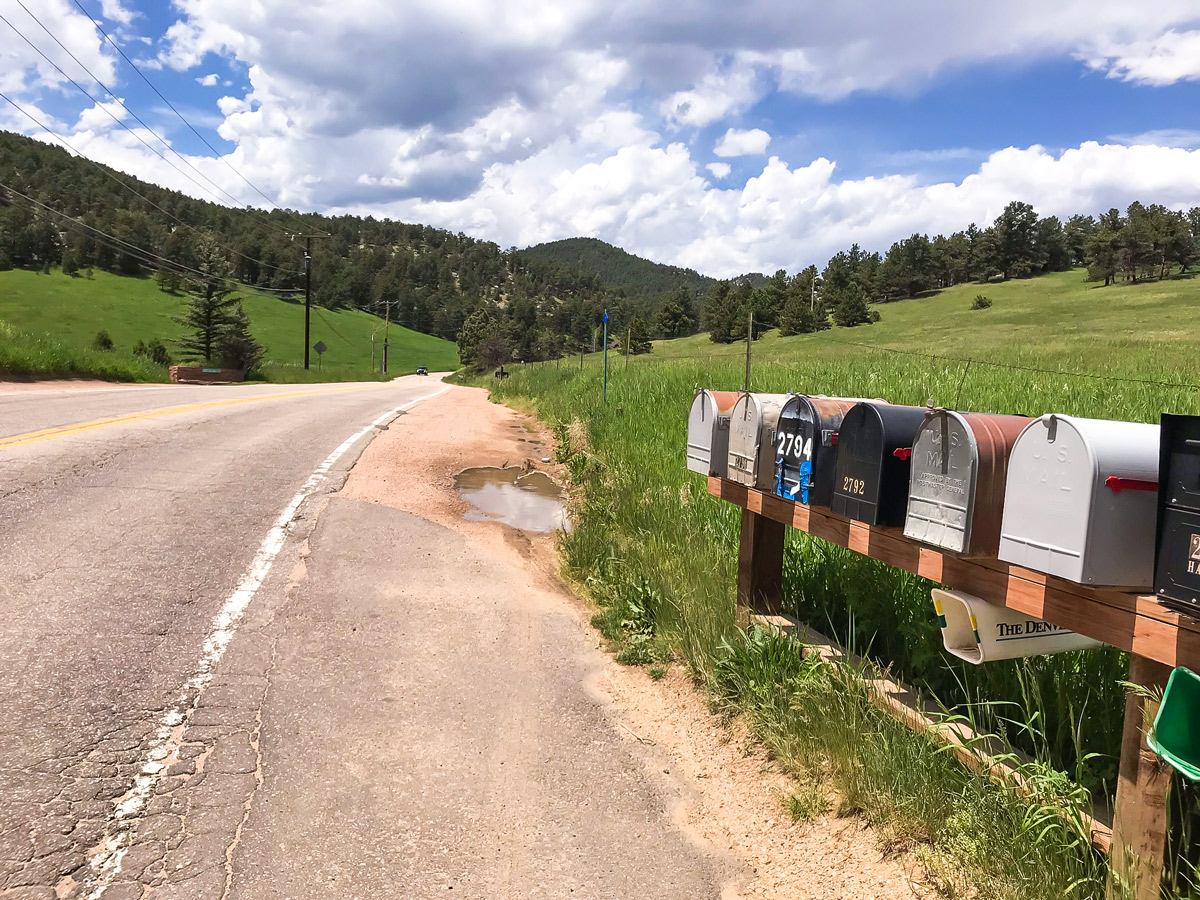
x=218, y=679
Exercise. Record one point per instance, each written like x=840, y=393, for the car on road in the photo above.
x=422, y=370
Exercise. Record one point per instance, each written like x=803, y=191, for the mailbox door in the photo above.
x=789, y=451
x=1177, y=573
x=942, y=482
x=859, y=467
x=994, y=439
x=1180, y=462
x=702, y=426
x=1047, y=502
x=743, y=441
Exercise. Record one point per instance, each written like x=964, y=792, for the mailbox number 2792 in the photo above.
x=853, y=486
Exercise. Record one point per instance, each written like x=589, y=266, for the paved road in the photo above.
x=214, y=686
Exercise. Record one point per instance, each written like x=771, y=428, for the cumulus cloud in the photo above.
x=743, y=142
x=1162, y=59
x=719, y=170
x=23, y=70
x=209, y=80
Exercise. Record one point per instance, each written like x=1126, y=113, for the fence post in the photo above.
x=760, y=564
x=1143, y=787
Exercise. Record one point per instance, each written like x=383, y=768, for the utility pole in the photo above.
x=628, y=335
x=307, y=295
x=387, y=321
x=605, y=397
x=749, y=339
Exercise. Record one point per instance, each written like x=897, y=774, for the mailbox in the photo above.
x=708, y=432
x=1177, y=548
x=752, y=438
x=1080, y=501
x=978, y=632
x=956, y=485
x=870, y=481
x=806, y=447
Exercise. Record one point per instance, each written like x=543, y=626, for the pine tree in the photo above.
x=236, y=346
x=722, y=314
x=638, y=341
x=852, y=308
x=209, y=313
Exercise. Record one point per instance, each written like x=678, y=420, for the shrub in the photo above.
x=981, y=302
x=102, y=340
x=155, y=351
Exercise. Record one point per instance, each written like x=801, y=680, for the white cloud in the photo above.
x=1162, y=137
x=209, y=80
x=720, y=170
x=739, y=142
x=1160, y=59
x=116, y=11
x=23, y=71
x=101, y=116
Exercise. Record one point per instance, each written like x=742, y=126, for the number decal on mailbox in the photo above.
x=854, y=486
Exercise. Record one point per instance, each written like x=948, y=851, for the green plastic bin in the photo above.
x=1176, y=733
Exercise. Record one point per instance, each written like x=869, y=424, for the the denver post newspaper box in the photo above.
x=806, y=448
x=978, y=632
x=708, y=432
x=1080, y=501
x=870, y=481
x=751, y=438
x=956, y=487
x=1177, y=551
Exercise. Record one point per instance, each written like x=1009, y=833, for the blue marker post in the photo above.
x=606, y=356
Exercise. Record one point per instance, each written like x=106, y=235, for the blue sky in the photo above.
x=726, y=137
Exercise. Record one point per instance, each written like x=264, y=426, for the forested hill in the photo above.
x=619, y=270
x=59, y=209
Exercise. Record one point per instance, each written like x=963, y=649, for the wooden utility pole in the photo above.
x=628, y=335
x=307, y=295
x=387, y=321
x=749, y=338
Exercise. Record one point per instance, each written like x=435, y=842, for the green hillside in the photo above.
x=58, y=317
x=1056, y=321
x=619, y=270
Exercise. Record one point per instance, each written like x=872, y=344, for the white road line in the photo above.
x=168, y=737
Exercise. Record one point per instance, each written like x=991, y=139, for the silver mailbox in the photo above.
x=956, y=484
x=708, y=432
x=1081, y=499
x=752, y=438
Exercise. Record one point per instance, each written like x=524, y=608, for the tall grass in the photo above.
x=25, y=355
x=647, y=529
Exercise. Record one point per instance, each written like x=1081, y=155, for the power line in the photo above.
x=218, y=153
x=237, y=204
x=143, y=255
x=128, y=187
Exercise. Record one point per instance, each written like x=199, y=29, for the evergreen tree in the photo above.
x=209, y=312
x=852, y=308
x=638, y=341
x=238, y=348
x=721, y=314
x=676, y=316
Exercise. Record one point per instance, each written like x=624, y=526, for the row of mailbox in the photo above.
x=1071, y=497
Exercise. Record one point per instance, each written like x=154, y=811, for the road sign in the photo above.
x=606, y=317
x=320, y=347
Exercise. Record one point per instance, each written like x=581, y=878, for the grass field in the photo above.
x=659, y=556
x=53, y=319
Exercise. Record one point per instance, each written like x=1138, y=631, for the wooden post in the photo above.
x=760, y=564
x=1143, y=787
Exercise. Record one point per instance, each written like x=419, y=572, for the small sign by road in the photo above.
x=320, y=347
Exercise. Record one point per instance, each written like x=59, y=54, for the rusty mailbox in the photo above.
x=870, y=481
x=752, y=438
x=806, y=447
x=956, y=485
x=708, y=432
x=1081, y=501
x=1177, y=548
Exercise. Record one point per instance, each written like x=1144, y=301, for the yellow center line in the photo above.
x=33, y=437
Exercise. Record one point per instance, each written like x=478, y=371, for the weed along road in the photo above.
x=227, y=672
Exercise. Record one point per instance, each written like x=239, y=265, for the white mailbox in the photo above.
x=708, y=432
x=978, y=632
x=752, y=438
x=1080, y=501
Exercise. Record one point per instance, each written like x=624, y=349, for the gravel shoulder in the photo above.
x=731, y=800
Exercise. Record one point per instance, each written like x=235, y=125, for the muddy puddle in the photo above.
x=530, y=501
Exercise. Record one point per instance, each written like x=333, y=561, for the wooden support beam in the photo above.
x=1143, y=787
x=760, y=564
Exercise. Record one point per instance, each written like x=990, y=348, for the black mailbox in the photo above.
x=875, y=442
x=806, y=448
x=1177, y=544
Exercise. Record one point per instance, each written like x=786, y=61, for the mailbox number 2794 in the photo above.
x=853, y=486
x=795, y=445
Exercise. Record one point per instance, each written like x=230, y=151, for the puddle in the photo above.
x=531, y=502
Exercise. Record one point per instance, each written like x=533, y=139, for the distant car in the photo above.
x=422, y=370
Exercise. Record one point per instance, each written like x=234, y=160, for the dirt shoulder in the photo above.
x=736, y=796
